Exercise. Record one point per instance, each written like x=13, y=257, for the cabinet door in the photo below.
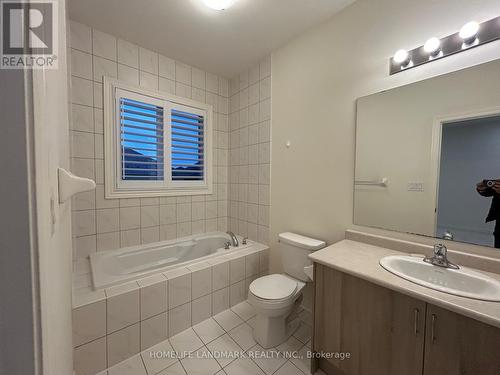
x=457, y=345
x=327, y=310
x=383, y=330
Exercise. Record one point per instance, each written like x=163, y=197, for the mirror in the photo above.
x=428, y=157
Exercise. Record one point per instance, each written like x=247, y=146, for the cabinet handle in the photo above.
x=433, y=328
x=415, y=322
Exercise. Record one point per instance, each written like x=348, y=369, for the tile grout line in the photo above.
x=143, y=364
x=204, y=346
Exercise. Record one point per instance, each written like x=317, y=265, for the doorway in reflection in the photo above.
x=468, y=207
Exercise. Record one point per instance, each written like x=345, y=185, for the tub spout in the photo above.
x=234, y=240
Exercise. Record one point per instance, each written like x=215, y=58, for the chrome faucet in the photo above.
x=448, y=236
x=234, y=240
x=440, y=258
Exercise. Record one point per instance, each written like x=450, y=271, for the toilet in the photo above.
x=276, y=297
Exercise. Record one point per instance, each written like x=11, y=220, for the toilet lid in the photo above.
x=273, y=287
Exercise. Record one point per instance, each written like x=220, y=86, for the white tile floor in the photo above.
x=229, y=333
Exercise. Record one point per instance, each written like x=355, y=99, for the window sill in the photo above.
x=124, y=193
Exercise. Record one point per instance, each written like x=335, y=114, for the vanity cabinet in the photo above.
x=459, y=345
x=389, y=333
x=383, y=330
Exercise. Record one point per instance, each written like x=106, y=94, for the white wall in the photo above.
x=316, y=80
x=470, y=153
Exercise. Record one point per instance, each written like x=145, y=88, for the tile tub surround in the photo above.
x=101, y=224
x=250, y=152
x=112, y=325
x=228, y=332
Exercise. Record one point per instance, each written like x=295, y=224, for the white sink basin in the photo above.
x=463, y=282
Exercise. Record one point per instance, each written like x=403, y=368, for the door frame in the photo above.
x=19, y=287
x=437, y=133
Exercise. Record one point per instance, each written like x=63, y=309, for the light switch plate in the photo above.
x=415, y=186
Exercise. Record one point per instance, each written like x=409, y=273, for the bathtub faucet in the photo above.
x=234, y=240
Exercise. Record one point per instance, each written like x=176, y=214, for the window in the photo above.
x=141, y=140
x=156, y=144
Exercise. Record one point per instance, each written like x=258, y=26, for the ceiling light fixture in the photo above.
x=433, y=47
x=218, y=4
x=469, y=32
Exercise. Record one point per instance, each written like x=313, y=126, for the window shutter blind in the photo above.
x=142, y=141
x=188, y=137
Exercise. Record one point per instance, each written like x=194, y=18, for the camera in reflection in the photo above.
x=489, y=183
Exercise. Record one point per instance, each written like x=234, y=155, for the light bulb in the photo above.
x=402, y=57
x=218, y=4
x=432, y=46
x=469, y=32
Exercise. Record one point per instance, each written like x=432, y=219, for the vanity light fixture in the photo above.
x=471, y=35
x=469, y=32
x=402, y=57
x=218, y=4
x=433, y=47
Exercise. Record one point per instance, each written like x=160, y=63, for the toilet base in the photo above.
x=276, y=319
x=272, y=331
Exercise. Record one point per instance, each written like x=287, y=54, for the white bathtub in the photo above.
x=127, y=264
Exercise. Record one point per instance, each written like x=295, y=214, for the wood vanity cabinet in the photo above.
x=459, y=345
x=389, y=333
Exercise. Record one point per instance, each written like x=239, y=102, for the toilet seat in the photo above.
x=283, y=288
x=273, y=287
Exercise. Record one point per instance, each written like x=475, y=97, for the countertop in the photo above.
x=362, y=260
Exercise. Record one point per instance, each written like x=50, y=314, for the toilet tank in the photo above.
x=295, y=250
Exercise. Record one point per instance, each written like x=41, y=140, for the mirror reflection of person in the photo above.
x=494, y=213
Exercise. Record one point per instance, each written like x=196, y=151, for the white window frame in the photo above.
x=114, y=186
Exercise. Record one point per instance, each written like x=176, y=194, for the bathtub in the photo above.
x=118, y=266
